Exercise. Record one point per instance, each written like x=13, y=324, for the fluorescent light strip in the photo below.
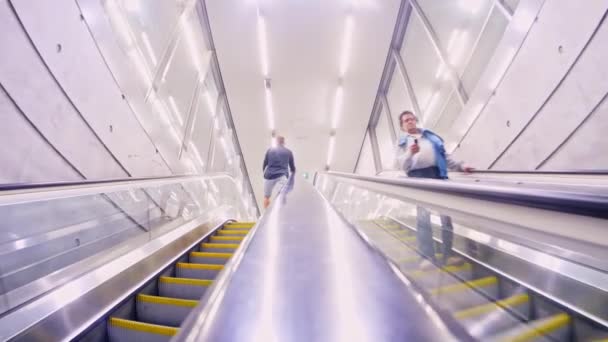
x=209, y=102
x=346, y=44
x=269, y=110
x=191, y=42
x=148, y=46
x=330, y=150
x=175, y=110
x=119, y=22
x=263, y=44
x=337, y=110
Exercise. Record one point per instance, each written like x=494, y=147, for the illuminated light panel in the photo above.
x=349, y=25
x=330, y=149
x=263, y=45
x=148, y=46
x=269, y=109
x=191, y=43
x=337, y=110
x=175, y=110
x=473, y=6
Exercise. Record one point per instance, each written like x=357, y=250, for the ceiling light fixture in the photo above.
x=346, y=44
x=263, y=44
x=330, y=150
x=337, y=110
x=148, y=46
x=474, y=6
x=175, y=110
x=269, y=109
x=191, y=42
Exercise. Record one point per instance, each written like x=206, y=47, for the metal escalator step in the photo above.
x=163, y=310
x=183, y=288
x=239, y=225
x=197, y=271
x=124, y=330
x=219, y=247
x=209, y=258
x=226, y=239
x=488, y=319
x=552, y=328
x=410, y=263
x=442, y=276
x=464, y=295
x=232, y=232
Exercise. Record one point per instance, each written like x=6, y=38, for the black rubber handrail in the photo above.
x=585, y=203
x=31, y=186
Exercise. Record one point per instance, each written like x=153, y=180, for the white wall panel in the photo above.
x=578, y=95
x=586, y=148
x=24, y=154
x=25, y=77
x=539, y=65
x=82, y=73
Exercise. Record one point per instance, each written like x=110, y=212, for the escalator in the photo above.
x=157, y=310
x=490, y=306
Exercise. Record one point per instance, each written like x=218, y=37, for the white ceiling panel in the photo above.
x=304, y=48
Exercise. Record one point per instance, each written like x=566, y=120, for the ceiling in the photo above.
x=304, y=44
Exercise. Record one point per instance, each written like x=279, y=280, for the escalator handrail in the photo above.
x=594, y=204
x=33, y=186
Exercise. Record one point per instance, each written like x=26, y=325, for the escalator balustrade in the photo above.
x=490, y=307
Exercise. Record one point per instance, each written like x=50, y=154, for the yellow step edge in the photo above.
x=556, y=322
x=194, y=266
x=249, y=223
x=482, y=282
x=219, y=245
x=232, y=232
x=167, y=300
x=185, y=281
x=416, y=258
x=407, y=239
x=227, y=238
x=450, y=269
x=487, y=308
x=211, y=255
x=239, y=225
x=143, y=327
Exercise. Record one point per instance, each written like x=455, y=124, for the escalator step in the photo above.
x=123, y=330
x=553, y=328
x=197, y=271
x=163, y=310
x=481, y=310
x=239, y=225
x=442, y=276
x=209, y=258
x=183, y=288
x=230, y=232
x=226, y=239
x=489, y=319
x=461, y=296
x=219, y=247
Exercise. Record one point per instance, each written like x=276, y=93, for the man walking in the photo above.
x=278, y=162
x=421, y=154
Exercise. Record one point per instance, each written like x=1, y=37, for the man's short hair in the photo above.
x=404, y=113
